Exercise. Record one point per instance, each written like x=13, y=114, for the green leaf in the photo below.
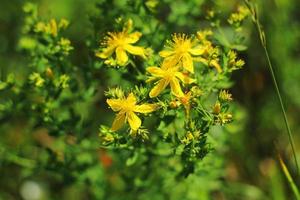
x=3, y=85
x=239, y=47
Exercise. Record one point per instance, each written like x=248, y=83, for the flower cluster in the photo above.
x=49, y=80
x=233, y=62
x=164, y=91
x=238, y=17
x=51, y=27
x=183, y=58
x=176, y=92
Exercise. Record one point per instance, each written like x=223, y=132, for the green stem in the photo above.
x=289, y=178
x=291, y=140
x=255, y=18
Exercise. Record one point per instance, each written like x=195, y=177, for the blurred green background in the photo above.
x=244, y=164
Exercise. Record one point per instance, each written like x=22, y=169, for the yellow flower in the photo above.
x=53, y=27
x=126, y=108
x=180, y=50
x=63, y=23
x=237, y=17
x=48, y=28
x=120, y=43
x=40, y=27
x=168, y=76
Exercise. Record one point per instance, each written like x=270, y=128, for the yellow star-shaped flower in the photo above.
x=168, y=76
x=180, y=50
x=126, y=108
x=120, y=43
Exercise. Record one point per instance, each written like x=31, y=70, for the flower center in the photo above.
x=169, y=74
x=128, y=106
x=120, y=40
x=183, y=47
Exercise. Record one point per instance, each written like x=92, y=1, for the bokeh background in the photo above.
x=244, y=164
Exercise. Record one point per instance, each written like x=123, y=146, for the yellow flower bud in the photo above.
x=49, y=73
x=217, y=108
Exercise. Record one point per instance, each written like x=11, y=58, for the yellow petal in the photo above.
x=166, y=53
x=115, y=104
x=170, y=62
x=145, y=108
x=140, y=51
x=122, y=57
x=131, y=98
x=133, y=37
x=118, y=121
x=197, y=51
x=155, y=71
x=150, y=79
x=202, y=60
x=158, y=88
x=184, y=78
x=106, y=52
x=175, y=88
x=134, y=121
x=187, y=63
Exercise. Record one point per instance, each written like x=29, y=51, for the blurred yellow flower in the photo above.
x=126, y=108
x=51, y=28
x=180, y=50
x=120, y=43
x=36, y=79
x=63, y=23
x=168, y=76
x=239, y=16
